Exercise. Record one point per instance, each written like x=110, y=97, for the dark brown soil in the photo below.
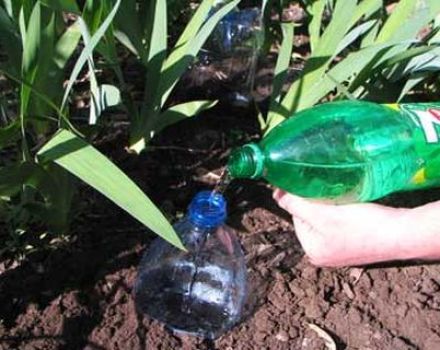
x=78, y=296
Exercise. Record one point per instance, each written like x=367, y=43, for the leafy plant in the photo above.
x=142, y=29
x=38, y=48
x=355, y=48
x=37, y=186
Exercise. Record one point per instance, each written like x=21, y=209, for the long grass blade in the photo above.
x=196, y=22
x=66, y=45
x=128, y=29
x=410, y=84
x=88, y=164
x=181, y=112
x=158, y=41
x=32, y=41
x=94, y=107
x=320, y=60
x=353, y=35
x=365, y=9
x=414, y=15
x=283, y=61
x=281, y=70
x=62, y=5
x=317, y=11
x=43, y=98
x=10, y=39
x=156, y=55
x=85, y=54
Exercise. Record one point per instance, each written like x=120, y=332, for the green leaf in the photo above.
x=10, y=39
x=109, y=96
x=58, y=188
x=410, y=84
x=158, y=41
x=316, y=11
x=106, y=96
x=180, y=112
x=42, y=97
x=281, y=70
x=85, y=54
x=48, y=77
x=416, y=53
x=172, y=69
x=62, y=5
x=354, y=34
x=32, y=40
x=403, y=10
x=10, y=133
x=94, y=14
x=195, y=23
x=336, y=29
x=349, y=67
x=54, y=185
x=370, y=37
x=128, y=29
x=156, y=54
x=414, y=15
x=436, y=30
x=8, y=7
x=31, y=35
x=66, y=45
x=85, y=162
x=342, y=89
x=283, y=61
x=366, y=8
x=13, y=177
x=95, y=110
x=320, y=59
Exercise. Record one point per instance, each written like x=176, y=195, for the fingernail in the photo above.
x=278, y=194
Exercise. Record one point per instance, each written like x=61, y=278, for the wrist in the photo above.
x=420, y=234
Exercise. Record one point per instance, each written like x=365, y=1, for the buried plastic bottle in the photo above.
x=226, y=64
x=201, y=291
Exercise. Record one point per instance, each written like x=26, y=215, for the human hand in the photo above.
x=362, y=233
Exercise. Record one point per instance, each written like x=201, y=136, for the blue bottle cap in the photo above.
x=207, y=209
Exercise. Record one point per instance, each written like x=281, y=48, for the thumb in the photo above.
x=305, y=209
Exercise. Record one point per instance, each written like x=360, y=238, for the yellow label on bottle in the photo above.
x=419, y=177
x=394, y=106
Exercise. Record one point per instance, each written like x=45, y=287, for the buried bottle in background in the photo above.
x=201, y=291
x=348, y=151
x=225, y=67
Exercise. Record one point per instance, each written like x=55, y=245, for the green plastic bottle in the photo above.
x=348, y=151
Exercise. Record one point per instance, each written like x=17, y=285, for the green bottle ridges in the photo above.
x=348, y=151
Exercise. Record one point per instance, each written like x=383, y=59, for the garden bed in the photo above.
x=76, y=291
x=79, y=295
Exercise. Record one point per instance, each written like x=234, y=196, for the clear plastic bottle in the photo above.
x=225, y=67
x=201, y=291
x=348, y=151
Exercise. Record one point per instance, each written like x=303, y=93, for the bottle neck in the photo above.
x=207, y=210
x=246, y=162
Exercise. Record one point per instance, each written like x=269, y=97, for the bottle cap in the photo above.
x=207, y=209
